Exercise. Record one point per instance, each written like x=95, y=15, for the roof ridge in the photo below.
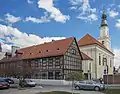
x=46, y=43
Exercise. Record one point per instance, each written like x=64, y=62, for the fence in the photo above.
x=111, y=79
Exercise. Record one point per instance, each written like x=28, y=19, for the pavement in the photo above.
x=38, y=89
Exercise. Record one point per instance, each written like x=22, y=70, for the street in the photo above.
x=37, y=89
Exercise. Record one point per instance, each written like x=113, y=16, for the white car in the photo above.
x=30, y=83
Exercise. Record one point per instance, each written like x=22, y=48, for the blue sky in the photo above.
x=34, y=21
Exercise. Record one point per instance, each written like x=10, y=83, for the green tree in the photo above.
x=76, y=76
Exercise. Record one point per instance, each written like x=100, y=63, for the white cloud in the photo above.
x=89, y=17
x=113, y=13
x=11, y=19
x=55, y=13
x=117, y=57
x=85, y=11
x=6, y=47
x=43, y=19
x=36, y=20
x=117, y=25
x=75, y=2
x=30, y=1
x=13, y=36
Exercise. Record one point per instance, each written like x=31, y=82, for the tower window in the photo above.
x=103, y=42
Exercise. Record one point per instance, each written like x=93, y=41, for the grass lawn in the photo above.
x=56, y=92
x=112, y=91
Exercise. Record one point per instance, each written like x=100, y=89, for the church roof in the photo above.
x=85, y=57
x=89, y=40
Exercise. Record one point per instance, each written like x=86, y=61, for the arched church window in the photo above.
x=99, y=59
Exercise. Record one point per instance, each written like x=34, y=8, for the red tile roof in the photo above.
x=89, y=40
x=85, y=57
x=54, y=48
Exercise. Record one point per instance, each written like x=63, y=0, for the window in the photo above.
x=44, y=75
x=57, y=63
x=89, y=82
x=104, y=61
x=73, y=51
x=99, y=59
x=44, y=63
x=50, y=75
x=103, y=42
x=57, y=75
x=50, y=61
x=82, y=82
x=90, y=67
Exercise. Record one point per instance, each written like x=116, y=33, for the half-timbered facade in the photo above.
x=53, y=60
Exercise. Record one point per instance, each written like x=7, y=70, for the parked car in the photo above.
x=89, y=84
x=4, y=84
x=29, y=83
x=10, y=81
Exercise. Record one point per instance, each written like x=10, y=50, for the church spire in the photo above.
x=104, y=32
x=104, y=19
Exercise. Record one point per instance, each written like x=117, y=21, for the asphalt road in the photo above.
x=44, y=89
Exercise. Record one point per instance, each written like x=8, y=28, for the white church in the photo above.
x=101, y=59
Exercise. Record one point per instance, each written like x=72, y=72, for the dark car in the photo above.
x=10, y=81
x=4, y=84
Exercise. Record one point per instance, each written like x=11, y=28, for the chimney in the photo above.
x=8, y=55
x=18, y=53
x=14, y=48
x=53, y=40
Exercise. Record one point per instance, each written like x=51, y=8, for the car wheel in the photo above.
x=97, y=88
x=77, y=87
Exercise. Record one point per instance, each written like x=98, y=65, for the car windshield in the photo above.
x=81, y=81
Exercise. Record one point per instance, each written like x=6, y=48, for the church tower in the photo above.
x=104, y=32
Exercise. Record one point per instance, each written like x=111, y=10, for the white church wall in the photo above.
x=101, y=68
x=93, y=52
x=90, y=51
x=86, y=66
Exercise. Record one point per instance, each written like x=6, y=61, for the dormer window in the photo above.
x=46, y=50
x=103, y=42
x=31, y=53
x=39, y=51
x=58, y=49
